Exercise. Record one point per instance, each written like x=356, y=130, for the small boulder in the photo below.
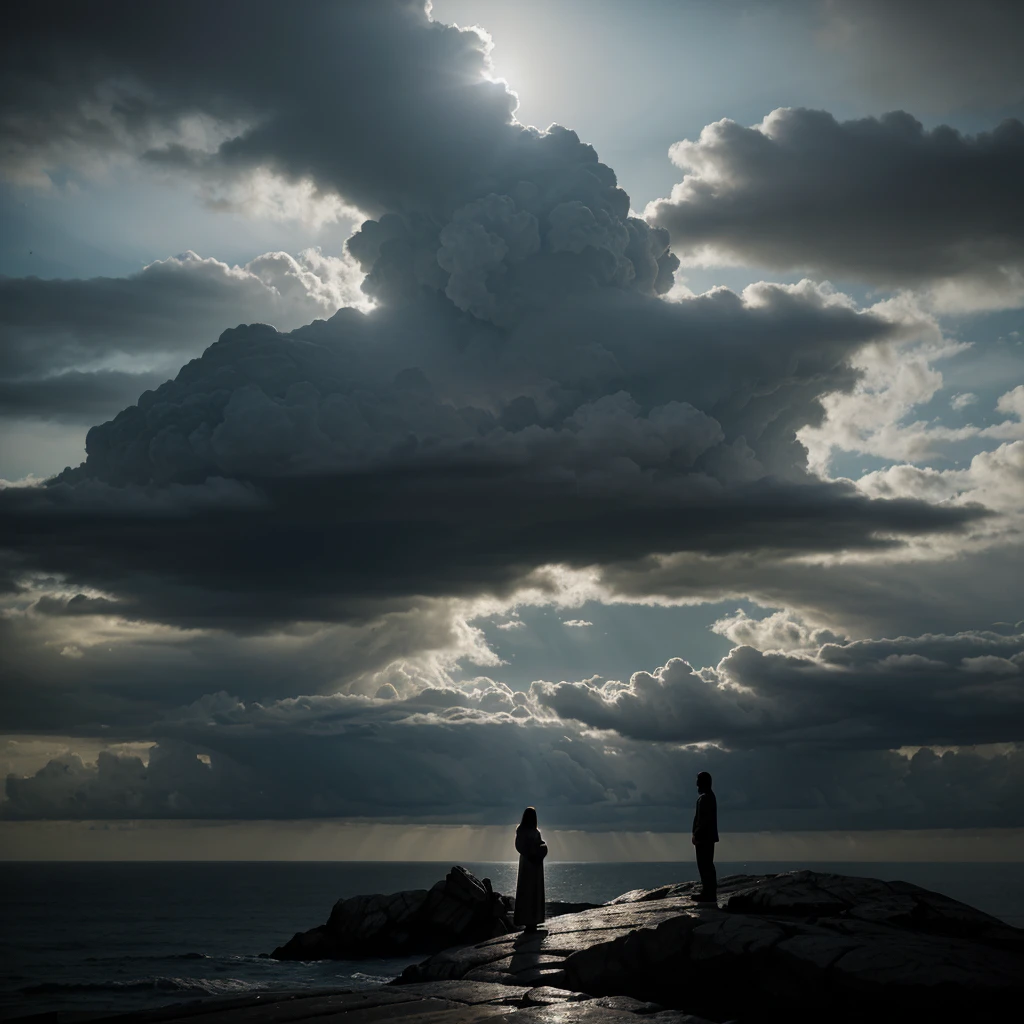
x=457, y=910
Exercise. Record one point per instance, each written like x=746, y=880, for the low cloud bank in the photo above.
x=475, y=753
x=966, y=689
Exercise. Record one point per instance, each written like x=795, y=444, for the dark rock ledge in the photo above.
x=458, y=910
x=801, y=946
x=797, y=946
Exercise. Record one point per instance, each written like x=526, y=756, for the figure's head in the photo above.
x=529, y=818
x=704, y=782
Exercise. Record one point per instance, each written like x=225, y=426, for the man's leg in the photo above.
x=706, y=867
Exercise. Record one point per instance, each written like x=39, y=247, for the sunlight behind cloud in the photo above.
x=492, y=533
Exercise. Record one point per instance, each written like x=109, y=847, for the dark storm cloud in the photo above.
x=939, y=54
x=346, y=548
x=53, y=333
x=880, y=199
x=475, y=757
x=368, y=98
x=521, y=396
x=369, y=101
x=422, y=452
x=413, y=757
x=552, y=223
x=869, y=694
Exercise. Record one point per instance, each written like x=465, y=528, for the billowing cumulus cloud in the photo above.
x=880, y=415
x=779, y=631
x=271, y=566
x=995, y=478
x=879, y=199
x=402, y=452
x=872, y=694
x=475, y=754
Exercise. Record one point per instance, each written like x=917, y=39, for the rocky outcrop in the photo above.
x=457, y=910
x=797, y=946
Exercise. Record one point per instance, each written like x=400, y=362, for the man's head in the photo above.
x=704, y=782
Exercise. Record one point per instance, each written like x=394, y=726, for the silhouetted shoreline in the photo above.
x=794, y=946
x=153, y=934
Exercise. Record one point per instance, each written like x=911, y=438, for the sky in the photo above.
x=411, y=413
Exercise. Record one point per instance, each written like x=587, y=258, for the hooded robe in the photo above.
x=530, y=885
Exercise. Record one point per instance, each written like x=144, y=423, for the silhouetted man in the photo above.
x=705, y=835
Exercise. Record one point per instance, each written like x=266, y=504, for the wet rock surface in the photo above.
x=802, y=946
x=798, y=946
x=444, y=1002
x=457, y=910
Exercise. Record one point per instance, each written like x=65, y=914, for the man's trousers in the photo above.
x=706, y=866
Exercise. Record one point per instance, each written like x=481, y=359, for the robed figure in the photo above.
x=530, y=886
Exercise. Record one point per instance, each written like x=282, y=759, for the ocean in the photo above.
x=128, y=936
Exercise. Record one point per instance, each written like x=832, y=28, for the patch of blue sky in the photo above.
x=622, y=639
x=117, y=225
x=853, y=465
x=634, y=78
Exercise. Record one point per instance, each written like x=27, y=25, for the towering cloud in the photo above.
x=522, y=396
x=417, y=450
x=495, y=387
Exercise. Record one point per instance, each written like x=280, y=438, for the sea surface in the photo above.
x=128, y=936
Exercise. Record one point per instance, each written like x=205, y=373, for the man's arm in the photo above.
x=699, y=819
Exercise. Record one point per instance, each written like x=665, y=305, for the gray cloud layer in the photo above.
x=879, y=199
x=477, y=754
x=522, y=395
x=939, y=54
x=61, y=340
x=876, y=694
x=420, y=452
x=425, y=127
